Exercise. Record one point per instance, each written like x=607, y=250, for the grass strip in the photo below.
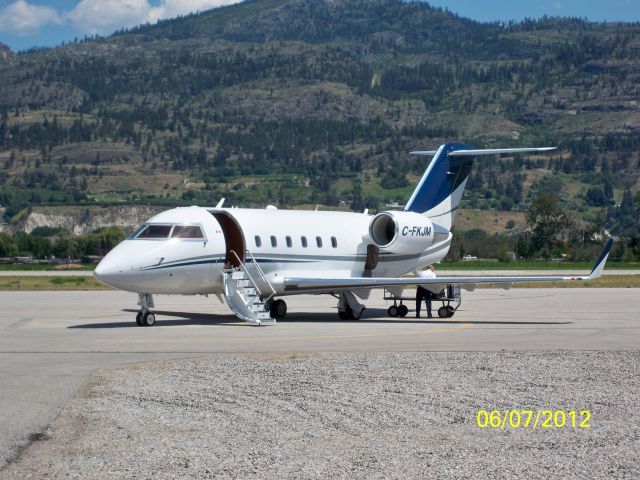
x=46, y=283
x=483, y=265
x=610, y=281
x=22, y=267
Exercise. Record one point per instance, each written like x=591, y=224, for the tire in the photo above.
x=443, y=312
x=451, y=310
x=392, y=311
x=402, y=311
x=139, y=318
x=346, y=314
x=149, y=319
x=278, y=309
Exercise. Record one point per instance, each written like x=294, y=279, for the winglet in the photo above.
x=599, y=266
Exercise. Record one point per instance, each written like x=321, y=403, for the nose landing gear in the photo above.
x=145, y=317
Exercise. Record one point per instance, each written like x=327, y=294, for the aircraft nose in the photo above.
x=109, y=271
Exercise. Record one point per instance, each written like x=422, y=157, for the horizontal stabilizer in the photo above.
x=487, y=151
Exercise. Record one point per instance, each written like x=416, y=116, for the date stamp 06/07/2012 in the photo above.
x=535, y=419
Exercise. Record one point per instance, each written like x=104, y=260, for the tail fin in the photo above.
x=440, y=190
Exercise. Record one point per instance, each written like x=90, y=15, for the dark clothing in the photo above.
x=426, y=295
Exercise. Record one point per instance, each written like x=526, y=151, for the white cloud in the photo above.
x=105, y=16
x=23, y=18
x=173, y=8
x=98, y=16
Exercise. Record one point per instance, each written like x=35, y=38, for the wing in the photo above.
x=308, y=285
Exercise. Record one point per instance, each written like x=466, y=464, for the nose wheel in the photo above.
x=145, y=317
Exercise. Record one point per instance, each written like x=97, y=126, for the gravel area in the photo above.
x=350, y=415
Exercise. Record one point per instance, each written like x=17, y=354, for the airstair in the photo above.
x=243, y=292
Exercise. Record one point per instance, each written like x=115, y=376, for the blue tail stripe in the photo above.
x=441, y=178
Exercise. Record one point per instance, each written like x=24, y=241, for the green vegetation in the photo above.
x=44, y=243
x=550, y=232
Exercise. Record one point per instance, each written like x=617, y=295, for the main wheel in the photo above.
x=278, y=309
x=451, y=310
x=139, y=318
x=443, y=312
x=402, y=311
x=148, y=319
x=346, y=314
x=392, y=311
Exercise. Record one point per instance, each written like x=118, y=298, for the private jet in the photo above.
x=254, y=258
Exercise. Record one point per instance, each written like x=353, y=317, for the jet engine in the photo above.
x=401, y=232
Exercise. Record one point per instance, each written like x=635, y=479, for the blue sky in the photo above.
x=29, y=23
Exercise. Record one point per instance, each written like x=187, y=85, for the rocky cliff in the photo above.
x=79, y=220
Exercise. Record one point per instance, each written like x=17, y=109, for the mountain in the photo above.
x=319, y=101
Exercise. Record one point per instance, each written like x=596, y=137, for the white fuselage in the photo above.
x=285, y=243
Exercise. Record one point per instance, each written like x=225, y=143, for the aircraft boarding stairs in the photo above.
x=243, y=292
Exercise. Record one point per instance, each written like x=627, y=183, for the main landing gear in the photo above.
x=145, y=317
x=349, y=314
x=349, y=308
x=396, y=310
x=277, y=308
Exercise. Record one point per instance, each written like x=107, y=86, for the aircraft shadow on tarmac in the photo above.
x=191, y=318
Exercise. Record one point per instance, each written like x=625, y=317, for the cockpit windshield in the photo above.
x=151, y=231
x=155, y=232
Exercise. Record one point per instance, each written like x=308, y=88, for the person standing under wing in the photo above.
x=424, y=294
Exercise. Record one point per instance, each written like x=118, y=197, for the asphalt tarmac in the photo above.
x=50, y=342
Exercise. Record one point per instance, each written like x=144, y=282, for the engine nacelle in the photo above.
x=401, y=232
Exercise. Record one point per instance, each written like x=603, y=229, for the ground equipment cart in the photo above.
x=450, y=298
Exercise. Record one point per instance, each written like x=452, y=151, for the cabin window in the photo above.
x=319, y=242
x=289, y=242
x=334, y=242
x=303, y=240
x=193, y=232
x=274, y=241
x=258, y=241
x=155, y=232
